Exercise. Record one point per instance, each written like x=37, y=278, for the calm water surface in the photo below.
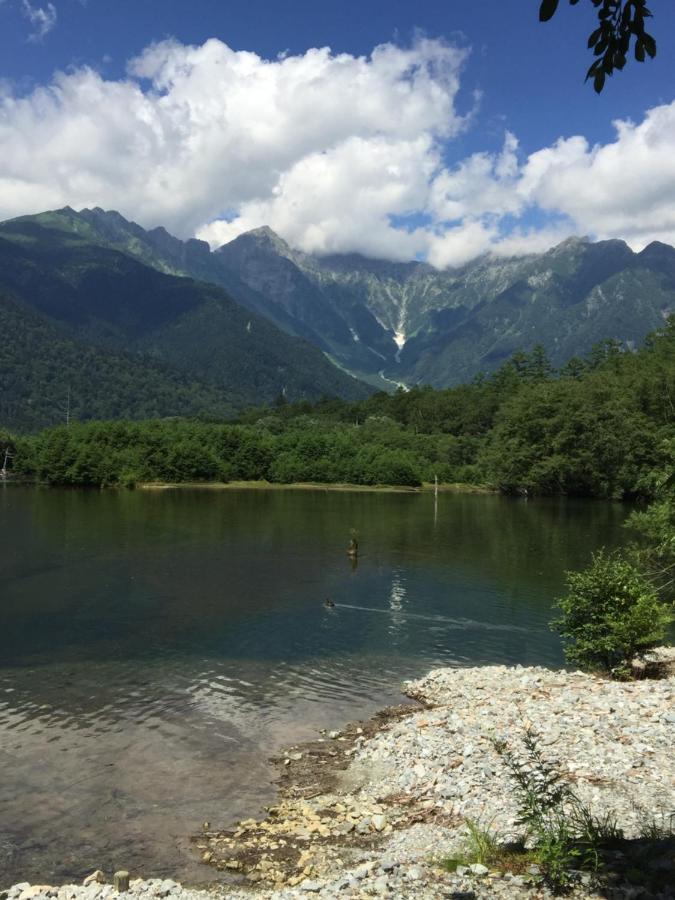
x=157, y=647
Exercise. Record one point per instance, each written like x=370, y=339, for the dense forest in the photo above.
x=599, y=427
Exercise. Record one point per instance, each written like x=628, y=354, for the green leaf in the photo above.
x=649, y=44
x=593, y=68
x=639, y=51
x=619, y=61
x=595, y=37
x=547, y=10
x=599, y=82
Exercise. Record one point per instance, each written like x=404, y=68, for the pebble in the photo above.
x=478, y=869
x=378, y=822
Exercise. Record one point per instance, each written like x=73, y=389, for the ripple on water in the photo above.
x=157, y=649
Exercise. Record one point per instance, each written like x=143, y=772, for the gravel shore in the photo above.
x=373, y=810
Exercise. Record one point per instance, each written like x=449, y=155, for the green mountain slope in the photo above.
x=164, y=252
x=102, y=302
x=258, y=270
x=408, y=323
x=417, y=325
x=47, y=375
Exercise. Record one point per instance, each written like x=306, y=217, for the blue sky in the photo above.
x=511, y=81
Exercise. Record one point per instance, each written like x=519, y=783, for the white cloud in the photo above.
x=456, y=246
x=622, y=189
x=341, y=199
x=195, y=131
x=330, y=150
x=42, y=18
x=482, y=184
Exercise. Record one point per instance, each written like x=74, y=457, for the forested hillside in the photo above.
x=129, y=341
x=598, y=427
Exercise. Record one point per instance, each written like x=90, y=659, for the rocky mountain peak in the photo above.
x=265, y=237
x=570, y=244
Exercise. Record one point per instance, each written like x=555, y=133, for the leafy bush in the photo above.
x=611, y=614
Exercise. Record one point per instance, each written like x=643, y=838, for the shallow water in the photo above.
x=157, y=647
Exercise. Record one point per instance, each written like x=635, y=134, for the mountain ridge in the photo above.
x=391, y=322
x=110, y=313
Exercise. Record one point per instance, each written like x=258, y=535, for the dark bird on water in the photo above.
x=328, y=603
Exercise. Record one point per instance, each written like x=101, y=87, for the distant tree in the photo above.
x=538, y=364
x=620, y=24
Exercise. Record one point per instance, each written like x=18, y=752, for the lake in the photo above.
x=156, y=647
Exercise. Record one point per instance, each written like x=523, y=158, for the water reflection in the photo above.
x=396, y=598
x=155, y=648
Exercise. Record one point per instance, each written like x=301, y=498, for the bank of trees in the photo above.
x=600, y=427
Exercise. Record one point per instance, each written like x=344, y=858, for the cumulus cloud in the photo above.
x=194, y=133
x=622, y=189
x=42, y=18
x=335, y=152
x=342, y=198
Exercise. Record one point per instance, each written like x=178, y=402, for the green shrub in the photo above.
x=610, y=615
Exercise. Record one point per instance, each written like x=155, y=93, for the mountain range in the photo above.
x=91, y=328
x=257, y=319
x=417, y=325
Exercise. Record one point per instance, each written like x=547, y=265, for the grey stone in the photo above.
x=479, y=869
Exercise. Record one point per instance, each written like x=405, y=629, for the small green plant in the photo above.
x=483, y=845
x=610, y=615
x=567, y=835
x=656, y=826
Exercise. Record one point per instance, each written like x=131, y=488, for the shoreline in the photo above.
x=372, y=809
x=425, y=488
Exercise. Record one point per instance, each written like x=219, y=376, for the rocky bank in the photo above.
x=374, y=810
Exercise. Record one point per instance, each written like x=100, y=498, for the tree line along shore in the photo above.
x=601, y=427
